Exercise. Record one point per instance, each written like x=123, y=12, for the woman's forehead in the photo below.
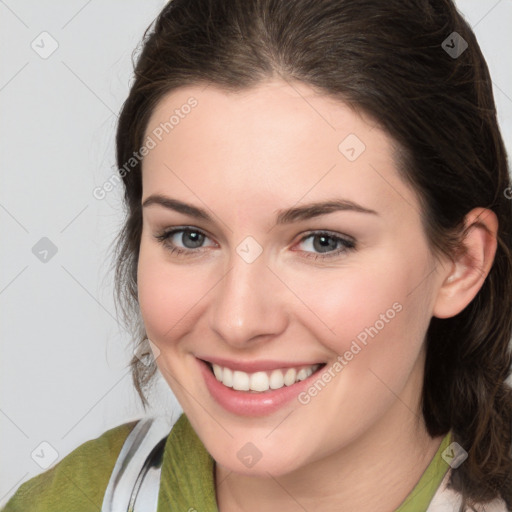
x=270, y=141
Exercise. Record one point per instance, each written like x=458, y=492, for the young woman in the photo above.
x=318, y=242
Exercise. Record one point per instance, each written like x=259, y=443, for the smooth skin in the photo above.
x=361, y=443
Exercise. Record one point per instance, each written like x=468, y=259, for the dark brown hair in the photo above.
x=386, y=59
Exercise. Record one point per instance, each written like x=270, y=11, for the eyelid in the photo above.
x=348, y=244
x=165, y=233
x=333, y=234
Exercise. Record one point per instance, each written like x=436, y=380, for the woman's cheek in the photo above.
x=167, y=295
x=350, y=306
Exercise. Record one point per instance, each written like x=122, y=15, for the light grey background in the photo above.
x=64, y=373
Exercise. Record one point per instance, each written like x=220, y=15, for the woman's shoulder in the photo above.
x=78, y=481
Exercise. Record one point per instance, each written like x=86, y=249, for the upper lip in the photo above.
x=257, y=366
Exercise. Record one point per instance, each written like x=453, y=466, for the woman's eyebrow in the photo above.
x=287, y=216
x=178, y=206
x=310, y=210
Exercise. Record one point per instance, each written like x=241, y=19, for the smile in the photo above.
x=255, y=388
x=262, y=381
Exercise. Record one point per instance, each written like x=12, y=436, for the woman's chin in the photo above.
x=253, y=462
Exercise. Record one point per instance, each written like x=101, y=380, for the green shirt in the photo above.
x=78, y=482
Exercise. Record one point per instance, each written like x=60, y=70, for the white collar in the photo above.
x=449, y=500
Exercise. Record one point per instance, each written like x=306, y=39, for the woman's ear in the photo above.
x=468, y=271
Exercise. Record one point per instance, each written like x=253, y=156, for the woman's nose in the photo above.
x=247, y=305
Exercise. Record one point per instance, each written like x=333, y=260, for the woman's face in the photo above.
x=304, y=248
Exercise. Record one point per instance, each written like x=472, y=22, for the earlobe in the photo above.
x=463, y=280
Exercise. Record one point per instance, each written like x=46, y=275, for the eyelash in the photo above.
x=347, y=244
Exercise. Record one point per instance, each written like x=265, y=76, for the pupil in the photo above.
x=325, y=242
x=192, y=239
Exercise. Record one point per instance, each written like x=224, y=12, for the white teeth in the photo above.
x=290, y=376
x=217, y=370
x=303, y=374
x=227, y=377
x=261, y=381
x=240, y=381
x=276, y=379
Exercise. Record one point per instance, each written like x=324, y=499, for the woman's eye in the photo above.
x=184, y=240
x=318, y=245
x=325, y=245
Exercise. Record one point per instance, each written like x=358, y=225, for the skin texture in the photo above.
x=244, y=157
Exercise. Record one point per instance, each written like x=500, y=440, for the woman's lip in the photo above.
x=257, y=366
x=245, y=403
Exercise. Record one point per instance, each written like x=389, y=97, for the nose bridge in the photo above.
x=245, y=304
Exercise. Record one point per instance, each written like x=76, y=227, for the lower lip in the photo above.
x=243, y=403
